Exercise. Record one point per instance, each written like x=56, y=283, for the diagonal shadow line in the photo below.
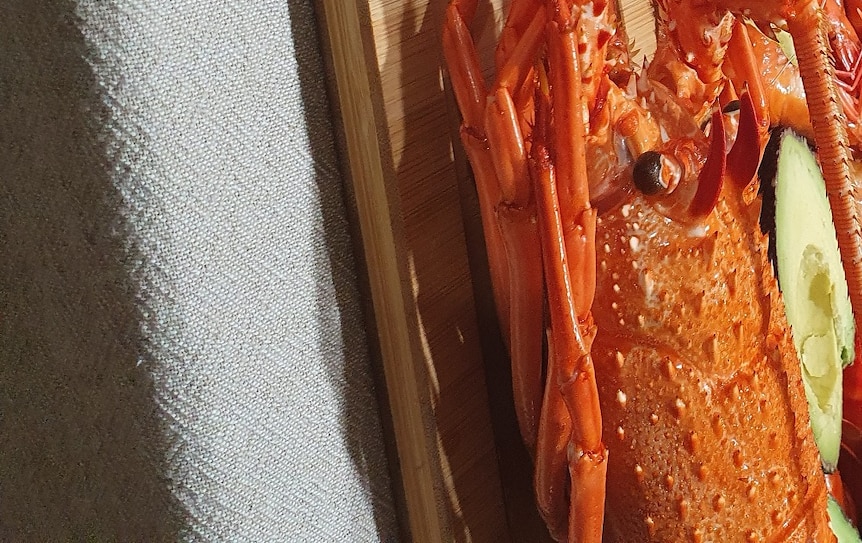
x=81, y=451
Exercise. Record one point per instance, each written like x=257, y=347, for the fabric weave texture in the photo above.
x=182, y=351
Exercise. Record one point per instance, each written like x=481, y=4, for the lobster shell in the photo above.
x=704, y=413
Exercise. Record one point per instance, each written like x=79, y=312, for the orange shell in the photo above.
x=703, y=407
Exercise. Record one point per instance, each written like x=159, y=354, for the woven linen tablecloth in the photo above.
x=182, y=355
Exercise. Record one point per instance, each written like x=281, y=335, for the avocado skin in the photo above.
x=766, y=176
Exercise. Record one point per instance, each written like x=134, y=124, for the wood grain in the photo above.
x=638, y=18
x=399, y=152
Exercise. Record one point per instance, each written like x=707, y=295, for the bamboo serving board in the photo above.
x=462, y=474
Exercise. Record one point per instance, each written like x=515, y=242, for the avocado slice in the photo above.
x=840, y=524
x=812, y=282
x=785, y=41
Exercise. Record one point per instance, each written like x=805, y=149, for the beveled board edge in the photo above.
x=345, y=29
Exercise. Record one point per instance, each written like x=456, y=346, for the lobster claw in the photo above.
x=744, y=157
x=711, y=177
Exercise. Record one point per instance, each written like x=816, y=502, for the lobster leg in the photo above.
x=516, y=214
x=571, y=398
x=521, y=14
x=470, y=93
x=570, y=155
x=491, y=134
x=567, y=228
x=842, y=36
x=550, y=479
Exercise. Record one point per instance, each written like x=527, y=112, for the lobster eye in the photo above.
x=647, y=173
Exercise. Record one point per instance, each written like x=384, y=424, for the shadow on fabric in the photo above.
x=80, y=446
x=352, y=376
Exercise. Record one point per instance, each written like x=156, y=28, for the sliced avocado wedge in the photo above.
x=812, y=282
x=841, y=526
x=785, y=41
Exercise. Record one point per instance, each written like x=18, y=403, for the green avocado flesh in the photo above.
x=786, y=44
x=841, y=526
x=815, y=292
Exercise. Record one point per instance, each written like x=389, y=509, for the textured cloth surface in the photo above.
x=182, y=354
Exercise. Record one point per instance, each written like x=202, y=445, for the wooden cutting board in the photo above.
x=462, y=473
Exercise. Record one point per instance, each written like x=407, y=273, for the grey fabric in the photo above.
x=182, y=355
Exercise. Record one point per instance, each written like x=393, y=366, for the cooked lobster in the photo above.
x=654, y=375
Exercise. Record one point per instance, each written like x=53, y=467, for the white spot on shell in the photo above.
x=693, y=442
x=648, y=286
x=679, y=406
x=682, y=507
x=752, y=491
x=621, y=397
x=634, y=243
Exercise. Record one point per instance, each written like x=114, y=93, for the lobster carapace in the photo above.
x=621, y=221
